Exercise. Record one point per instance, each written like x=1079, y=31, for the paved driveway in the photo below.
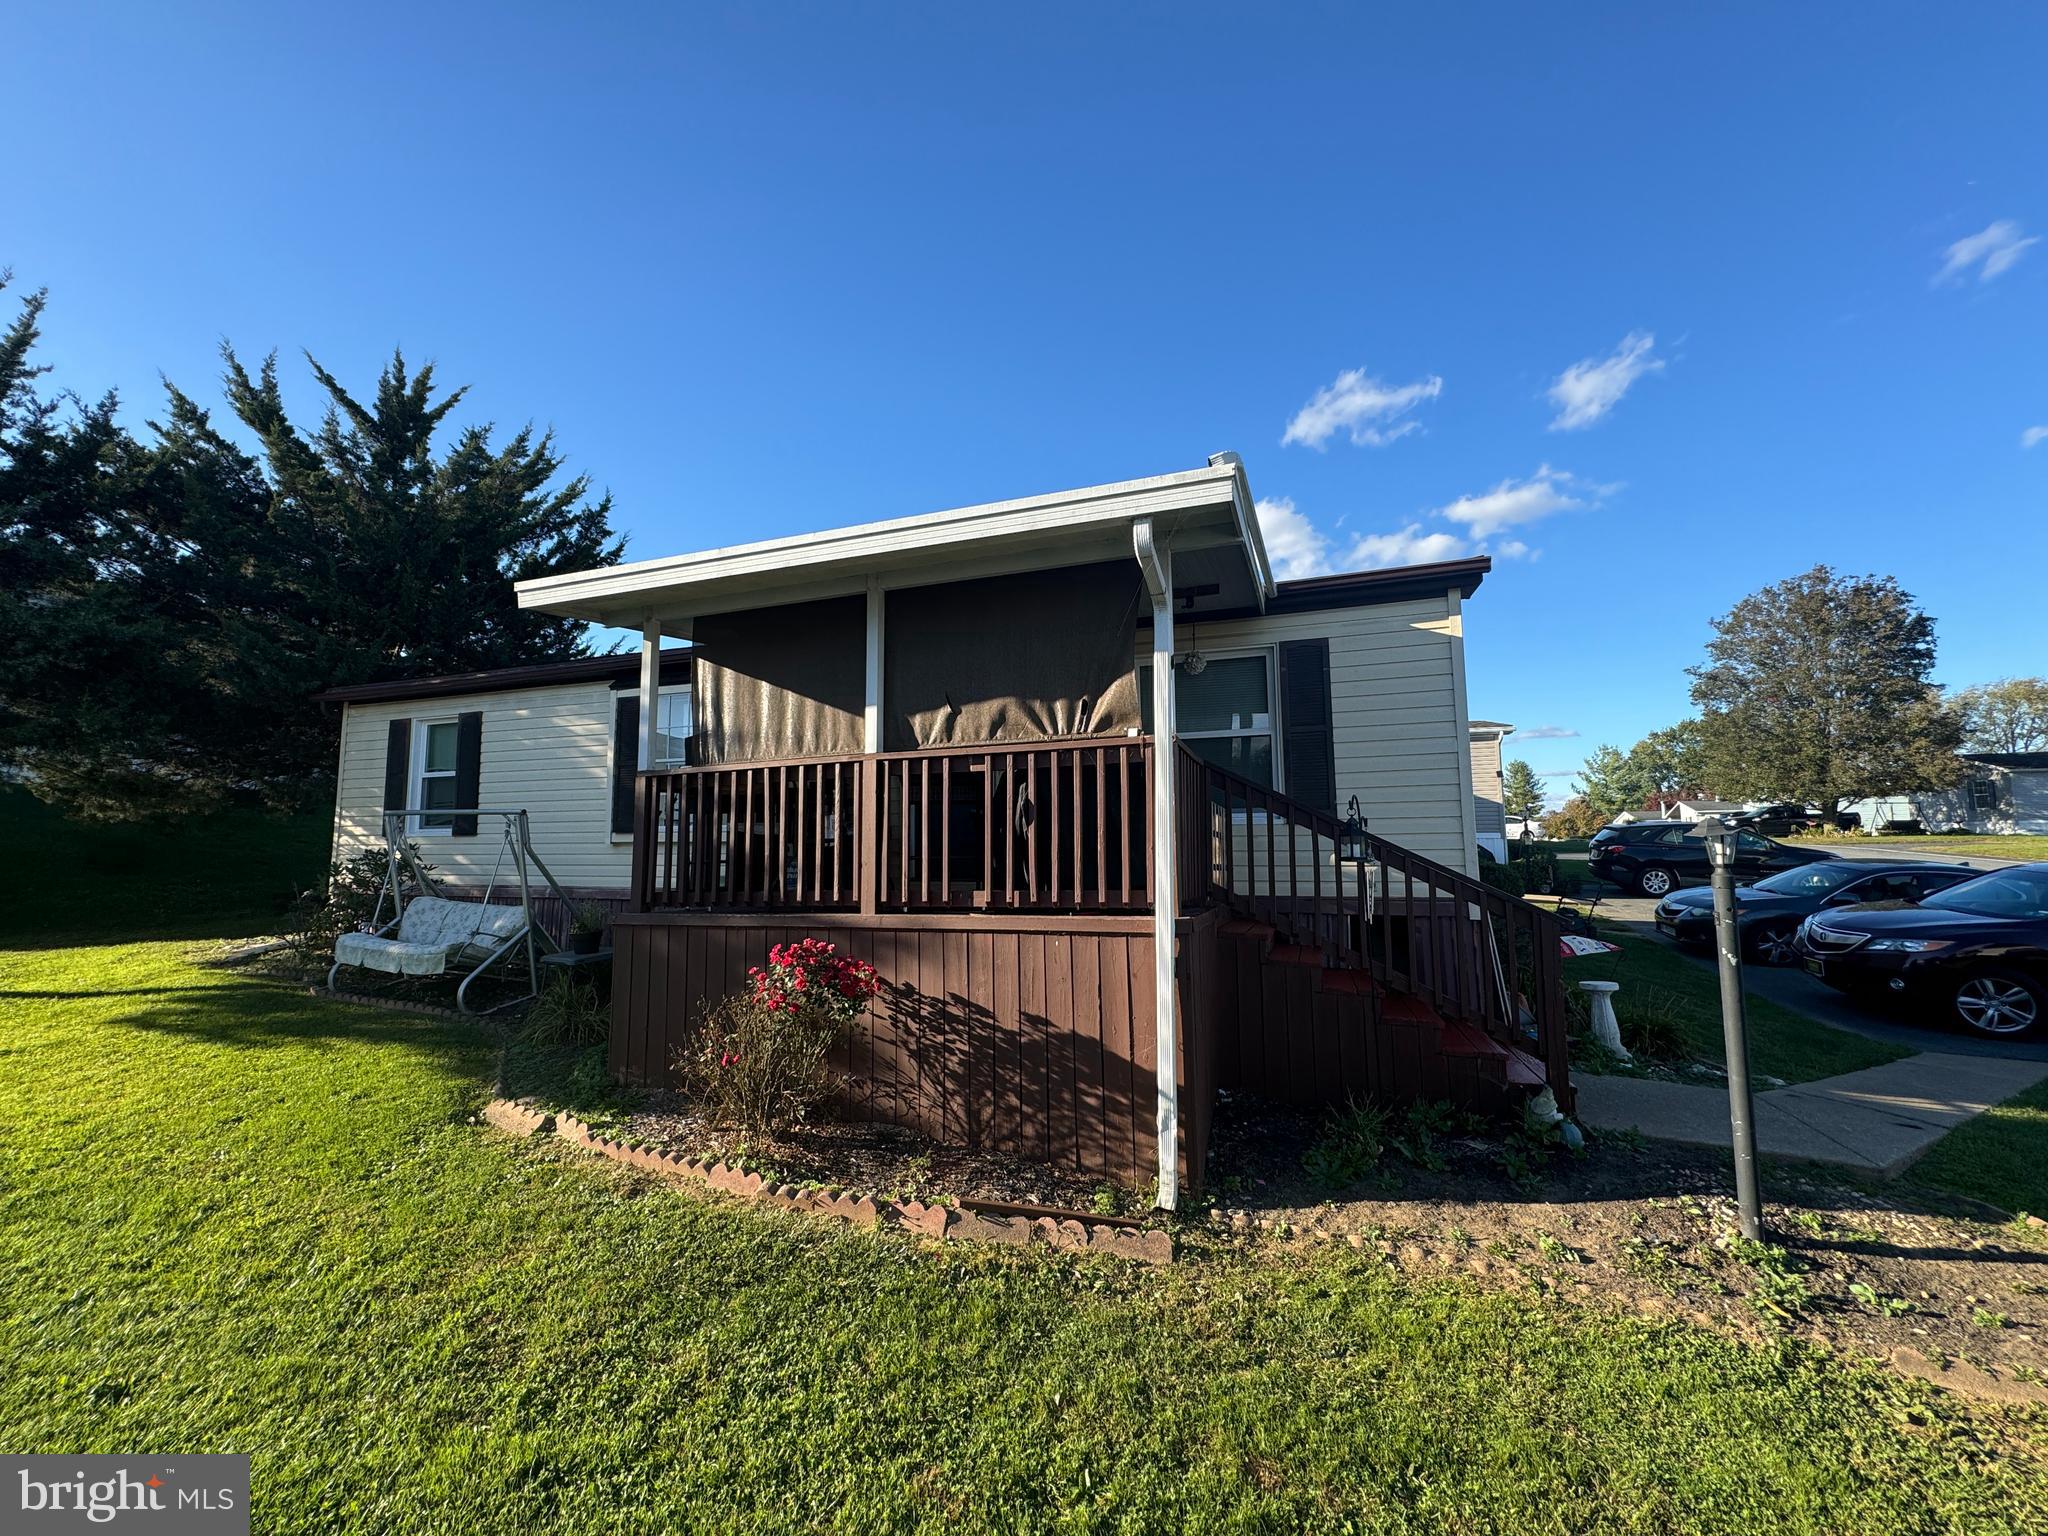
x=1892, y=850
x=1794, y=989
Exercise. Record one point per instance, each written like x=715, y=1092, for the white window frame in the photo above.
x=1275, y=727
x=417, y=776
x=632, y=748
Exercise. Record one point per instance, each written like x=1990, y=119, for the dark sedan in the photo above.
x=1654, y=858
x=1978, y=951
x=1769, y=913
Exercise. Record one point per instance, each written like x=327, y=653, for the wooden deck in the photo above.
x=1026, y=1033
x=1004, y=895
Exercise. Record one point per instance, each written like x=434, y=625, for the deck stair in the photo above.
x=1389, y=977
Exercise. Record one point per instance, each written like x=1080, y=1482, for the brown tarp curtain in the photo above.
x=780, y=682
x=1027, y=657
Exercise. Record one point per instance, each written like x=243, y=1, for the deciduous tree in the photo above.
x=2010, y=715
x=1818, y=689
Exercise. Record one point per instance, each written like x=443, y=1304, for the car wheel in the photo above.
x=2001, y=1004
x=1771, y=944
x=1656, y=882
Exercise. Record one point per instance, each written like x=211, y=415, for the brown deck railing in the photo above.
x=1473, y=952
x=1061, y=827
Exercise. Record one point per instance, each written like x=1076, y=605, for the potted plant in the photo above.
x=586, y=928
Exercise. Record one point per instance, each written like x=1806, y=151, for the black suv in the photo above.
x=1654, y=858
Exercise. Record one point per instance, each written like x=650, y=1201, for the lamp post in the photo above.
x=1720, y=840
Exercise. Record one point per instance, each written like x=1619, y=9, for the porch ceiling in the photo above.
x=1206, y=514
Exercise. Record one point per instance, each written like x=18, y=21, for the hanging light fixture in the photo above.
x=1353, y=845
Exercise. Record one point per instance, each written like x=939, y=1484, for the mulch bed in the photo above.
x=885, y=1159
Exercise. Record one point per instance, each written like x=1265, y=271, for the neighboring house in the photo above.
x=1072, y=771
x=2001, y=792
x=1489, y=787
x=560, y=739
x=1700, y=810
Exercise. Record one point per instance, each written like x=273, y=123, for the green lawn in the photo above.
x=216, y=877
x=237, y=1218
x=2000, y=1157
x=1782, y=1043
x=2014, y=847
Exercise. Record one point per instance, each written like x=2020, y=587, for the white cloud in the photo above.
x=1366, y=408
x=1411, y=546
x=1546, y=733
x=1514, y=503
x=2033, y=435
x=1297, y=547
x=1593, y=386
x=1992, y=250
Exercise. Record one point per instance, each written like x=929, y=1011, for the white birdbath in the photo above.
x=1606, y=1028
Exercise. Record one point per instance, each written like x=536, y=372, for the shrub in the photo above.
x=348, y=903
x=570, y=1010
x=762, y=1060
x=1503, y=877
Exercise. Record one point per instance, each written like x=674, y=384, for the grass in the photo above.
x=218, y=876
x=236, y=1218
x=2001, y=1157
x=2016, y=846
x=1782, y=1043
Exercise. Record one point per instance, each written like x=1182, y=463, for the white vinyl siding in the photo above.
x=1401, y=735
x=546, y=749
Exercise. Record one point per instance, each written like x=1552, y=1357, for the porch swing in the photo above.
x=440, y=936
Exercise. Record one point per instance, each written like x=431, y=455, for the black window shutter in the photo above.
x=625, y=760
x=1310, y=741
x=398, y=766
x=469, y=768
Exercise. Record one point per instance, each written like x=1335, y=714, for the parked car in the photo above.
x=1655, y=858
x=1768, y=913
x=1978, y=950
x=1780, y=819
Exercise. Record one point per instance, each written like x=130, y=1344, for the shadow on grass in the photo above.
x=250, y=1015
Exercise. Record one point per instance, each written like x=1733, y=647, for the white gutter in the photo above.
x=1155, y=560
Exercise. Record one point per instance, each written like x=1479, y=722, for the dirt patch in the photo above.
x=1893, y=1276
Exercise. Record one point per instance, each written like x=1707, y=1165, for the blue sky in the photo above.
x=1672, y=286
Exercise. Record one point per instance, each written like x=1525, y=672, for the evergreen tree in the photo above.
x=1818, y=689
x=169, y=605
x=1521, y=791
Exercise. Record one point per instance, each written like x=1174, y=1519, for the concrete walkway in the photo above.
x=1875, y=1121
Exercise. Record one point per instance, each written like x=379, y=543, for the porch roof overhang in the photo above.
x=1206, y=515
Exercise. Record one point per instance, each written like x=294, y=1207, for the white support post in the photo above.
x=650, y=690
x=1155, y=560
x=871, y=719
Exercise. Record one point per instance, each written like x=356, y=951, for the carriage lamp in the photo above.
x=1352, y=846
x=1719, y=837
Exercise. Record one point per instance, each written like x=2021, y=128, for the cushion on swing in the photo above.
x=431, y=937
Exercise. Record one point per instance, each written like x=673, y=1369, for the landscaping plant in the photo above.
x=762, y=1060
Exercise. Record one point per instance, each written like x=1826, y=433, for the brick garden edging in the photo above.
x=1067, y=1231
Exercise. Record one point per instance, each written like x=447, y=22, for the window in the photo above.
x=433, y=774
x=1753, y=842
x=672, y=729
x=1984, y=794
x=1224, y=712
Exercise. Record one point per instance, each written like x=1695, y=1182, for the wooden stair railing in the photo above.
x=1472, y=952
